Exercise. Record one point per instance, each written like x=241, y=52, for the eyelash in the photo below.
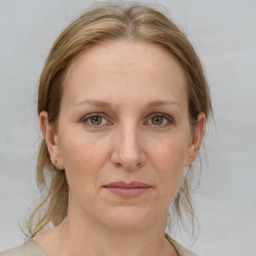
x=167, y=118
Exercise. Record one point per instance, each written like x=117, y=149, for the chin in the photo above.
x=129, y=218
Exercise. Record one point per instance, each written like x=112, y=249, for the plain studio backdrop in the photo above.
x=224, y=35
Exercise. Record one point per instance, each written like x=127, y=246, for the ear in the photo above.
x=51, y=138
x=196, y=140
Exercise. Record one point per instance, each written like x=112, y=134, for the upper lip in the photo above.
x=133, y=184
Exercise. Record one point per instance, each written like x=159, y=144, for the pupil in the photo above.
x=157, y=120
x=96, y=120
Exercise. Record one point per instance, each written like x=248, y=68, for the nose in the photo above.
x=128, y=150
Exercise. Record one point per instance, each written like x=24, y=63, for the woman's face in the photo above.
x=123, y=134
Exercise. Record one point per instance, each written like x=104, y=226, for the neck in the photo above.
x=97, y=240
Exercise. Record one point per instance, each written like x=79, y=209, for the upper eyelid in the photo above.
x=93, y=114
x=169, y=117
x=103, y=115
x=160, y=114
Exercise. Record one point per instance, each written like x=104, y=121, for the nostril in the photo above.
x=127, y=149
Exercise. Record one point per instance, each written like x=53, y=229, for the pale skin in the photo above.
x=141, y=132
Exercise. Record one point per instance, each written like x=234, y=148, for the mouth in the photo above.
x=128, y=190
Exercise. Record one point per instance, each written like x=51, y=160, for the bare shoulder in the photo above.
x=30, y=248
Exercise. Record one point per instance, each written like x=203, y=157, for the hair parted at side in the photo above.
x=109, y=22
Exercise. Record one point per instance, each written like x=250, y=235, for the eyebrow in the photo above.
x=157, y=103
x=96, y=103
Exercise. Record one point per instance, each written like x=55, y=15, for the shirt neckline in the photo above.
x=175, y=244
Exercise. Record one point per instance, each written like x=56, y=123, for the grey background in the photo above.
x=224, y=35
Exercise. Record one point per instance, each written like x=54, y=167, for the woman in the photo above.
x=123, y=104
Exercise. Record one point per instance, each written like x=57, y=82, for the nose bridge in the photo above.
x=128, y=150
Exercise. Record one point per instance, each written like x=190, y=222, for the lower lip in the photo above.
x=128, y=192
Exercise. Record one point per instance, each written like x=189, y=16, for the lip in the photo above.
x=133, y=184
x=127, y=190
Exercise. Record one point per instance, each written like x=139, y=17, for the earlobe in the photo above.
x=196, y=139
x=51, y=139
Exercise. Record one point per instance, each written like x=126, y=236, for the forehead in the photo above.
x=125, y=66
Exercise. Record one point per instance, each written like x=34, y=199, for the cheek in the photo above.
x=170, y=158
x=172, y=153
x=83, y=159
x=79, y=148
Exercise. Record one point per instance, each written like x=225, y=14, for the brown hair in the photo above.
x=109, y=21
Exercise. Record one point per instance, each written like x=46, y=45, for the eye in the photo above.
x=94, y=120
x=160, y=120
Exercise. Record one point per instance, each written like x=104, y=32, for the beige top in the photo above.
x=32, y=248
